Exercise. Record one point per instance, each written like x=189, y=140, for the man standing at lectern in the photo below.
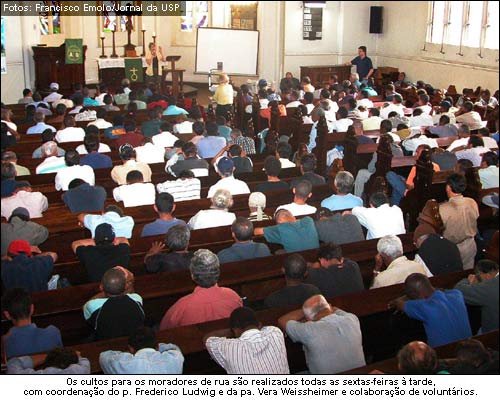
x=153, y=60
x=363, y=64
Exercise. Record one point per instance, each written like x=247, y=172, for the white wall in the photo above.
x=345, y=27
x=18, y=53
x=401, y=46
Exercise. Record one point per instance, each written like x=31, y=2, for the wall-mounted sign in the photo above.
x=313, y=24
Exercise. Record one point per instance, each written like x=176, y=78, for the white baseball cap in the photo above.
x=54, y=86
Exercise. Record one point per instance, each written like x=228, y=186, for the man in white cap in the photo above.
x=257, y=204
x=53, y=96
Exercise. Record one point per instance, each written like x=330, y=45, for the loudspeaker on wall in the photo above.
x=376, y=20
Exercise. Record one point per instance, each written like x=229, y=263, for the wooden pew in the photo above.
x=252, y=279
x=60, y=219
x=370, y=307
x=447, y=351
x=64, y=229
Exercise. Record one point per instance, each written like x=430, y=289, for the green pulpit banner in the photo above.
x=74, y=51
x=133, y=69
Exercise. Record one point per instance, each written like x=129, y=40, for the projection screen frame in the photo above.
x=196, y=72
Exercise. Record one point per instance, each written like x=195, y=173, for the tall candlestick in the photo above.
x=143, y=43
x=114, y=55
x=102, y=48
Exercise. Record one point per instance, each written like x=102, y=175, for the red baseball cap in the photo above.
x=19, y=246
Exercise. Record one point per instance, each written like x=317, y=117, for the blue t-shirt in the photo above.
x=296, y=236
x=364, y=65
x=8, y=186
x=336, y=202
x=160, y=227
x=225, y=132
x=30, y=339
x=209, y=146
x=85, y=198
x=97, y=160
x=90, y=102
x=243, y=251
x=29, y=273
x=174, y=110
x=371, y=92
x=444, y=315
x=114, y=132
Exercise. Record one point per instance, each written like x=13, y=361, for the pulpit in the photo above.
x=320, y=74
x=177, y=75
x=50, y=66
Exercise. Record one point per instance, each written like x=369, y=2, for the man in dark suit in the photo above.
x=481, y=289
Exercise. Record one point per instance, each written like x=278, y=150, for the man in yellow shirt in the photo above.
x=224, y=95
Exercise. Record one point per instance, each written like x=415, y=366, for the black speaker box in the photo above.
x=376, y=20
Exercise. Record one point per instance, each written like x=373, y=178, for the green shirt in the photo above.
x=121, y=98
x=151, y=128
x=22, y=171
x=296, y=236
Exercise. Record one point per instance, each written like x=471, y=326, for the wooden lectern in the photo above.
x=50, y=66
x=177, y=75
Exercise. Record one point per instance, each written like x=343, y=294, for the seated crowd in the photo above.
x=106, y=169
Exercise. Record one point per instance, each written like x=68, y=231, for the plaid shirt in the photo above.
x=246, y=143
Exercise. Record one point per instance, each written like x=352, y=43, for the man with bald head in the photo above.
x=115, y=311
x=417, y=358
x=292, y=234
x=331, y=338
x=443, y=313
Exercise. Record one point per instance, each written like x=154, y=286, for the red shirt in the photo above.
x=132, y=138
x=201, y=306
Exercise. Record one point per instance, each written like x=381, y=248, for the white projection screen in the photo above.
x=237, y=49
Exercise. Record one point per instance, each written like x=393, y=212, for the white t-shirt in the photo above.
x=490, y=142
x=341, y=125
x=286, y=163
x=70, y=134
x=233, y=185
x=426, y=109
x=103, y=148
x=298, y=209
x=150, y=154
x=136, y=194
x=295, y=103
x=367, y=103
x=395, y=137
x=211, y=219
x=183, y=127
x=65, y=175
x=421, y=120
x=13, y=126
x=413, y=144
x=381, y=221
x=100, y=123
x=372, y=123
x=458, y=143
x=263, y=103
x=164, y=139
x=385, y=111
x=54, y=96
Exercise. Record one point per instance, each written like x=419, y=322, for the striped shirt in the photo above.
x=254, y=352
x=181, y=189
x=247, y=144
